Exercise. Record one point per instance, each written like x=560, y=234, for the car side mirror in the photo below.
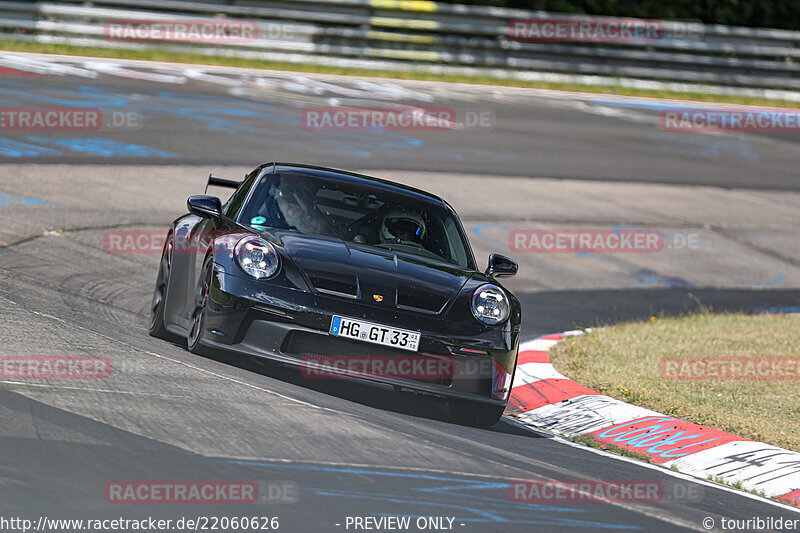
x=501, y=266
x=205, y=206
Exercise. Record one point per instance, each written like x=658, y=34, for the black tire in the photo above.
x=475, y=414
x=200, y=309
x=157, y=328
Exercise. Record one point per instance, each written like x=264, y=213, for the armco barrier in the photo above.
x=423, y=35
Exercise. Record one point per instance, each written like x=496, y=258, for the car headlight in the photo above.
x=257, y=257
x=490, y=305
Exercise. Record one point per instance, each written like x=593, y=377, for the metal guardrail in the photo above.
x=425, y=35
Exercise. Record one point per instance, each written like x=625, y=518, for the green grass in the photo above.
x=168, y=56
x=623, y=361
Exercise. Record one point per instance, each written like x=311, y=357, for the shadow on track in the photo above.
x=364, y=392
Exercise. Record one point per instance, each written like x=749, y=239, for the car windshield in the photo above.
x=356, y=213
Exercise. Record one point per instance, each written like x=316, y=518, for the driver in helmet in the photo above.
x=402, y=226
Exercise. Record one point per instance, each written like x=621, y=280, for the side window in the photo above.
x=238, y=197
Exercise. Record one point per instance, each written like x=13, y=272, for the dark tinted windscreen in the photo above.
x=358, y=214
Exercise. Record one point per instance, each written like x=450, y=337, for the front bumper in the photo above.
x=291, y=326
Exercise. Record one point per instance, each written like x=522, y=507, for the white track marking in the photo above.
x=88, y=389
x=189, y=365
x=650, y=466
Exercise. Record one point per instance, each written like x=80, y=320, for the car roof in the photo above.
x=353, y=177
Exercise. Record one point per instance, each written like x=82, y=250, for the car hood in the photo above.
x=379, y=277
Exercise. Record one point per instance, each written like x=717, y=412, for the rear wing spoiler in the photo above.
x=222, y=182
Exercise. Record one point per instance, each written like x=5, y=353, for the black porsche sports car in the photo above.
x=342, y=275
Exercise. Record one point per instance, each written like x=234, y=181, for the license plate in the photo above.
x=374, y=333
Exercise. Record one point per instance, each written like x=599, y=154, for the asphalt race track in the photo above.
x=726, y=205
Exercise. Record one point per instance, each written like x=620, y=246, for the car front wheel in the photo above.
x=157, y=328
x=200, y=308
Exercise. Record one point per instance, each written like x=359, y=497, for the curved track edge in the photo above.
x=542, y=398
